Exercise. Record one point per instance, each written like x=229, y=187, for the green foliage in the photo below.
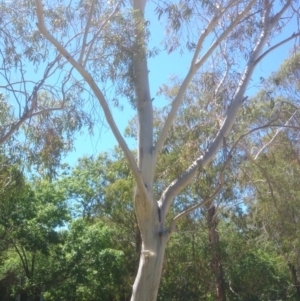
x=252, y=271
x=30, y=216
x=88, y=266
x=39, y=254
x=289, y=73
x=102, y=186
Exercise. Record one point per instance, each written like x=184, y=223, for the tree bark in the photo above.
x=216, y=263
x=148, y=213
x=154, y=241
x=295, y=279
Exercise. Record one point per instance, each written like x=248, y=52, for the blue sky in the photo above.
x=161, y=68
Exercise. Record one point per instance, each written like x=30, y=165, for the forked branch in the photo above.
x=15, y=126
x=31, y=104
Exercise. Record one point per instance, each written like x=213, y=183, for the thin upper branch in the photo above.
x=90, y=81
x=209, y=28
x=275, y=135
x=15, y=126
x=225, y=34
x=29, y=112
x=293, y=36
x=86, y=31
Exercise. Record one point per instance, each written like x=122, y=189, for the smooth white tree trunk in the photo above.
x=154, y=241
x=145, y=287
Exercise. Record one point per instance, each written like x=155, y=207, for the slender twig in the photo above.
x=15, y=126
x=275, y=135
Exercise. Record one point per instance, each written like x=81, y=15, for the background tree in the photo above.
x=29, y=220
x=271, y=166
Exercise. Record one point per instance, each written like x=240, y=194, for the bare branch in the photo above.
x=48, y=110
x=179, y=184
x=90, y=81
x=225, y=34
x=209, y=28
x=29, y=112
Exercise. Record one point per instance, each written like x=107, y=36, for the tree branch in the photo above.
x=90, y=81
x=86, y=32
x=206, y=200
x=275, y=135
x=23, y=260
x=14, y=127
x=209, y=28
x=293, y=36
x=193, y=69
x=276, y=18
x=98, y=32
x=179, y=184
x=32, y=99
x=225, y=34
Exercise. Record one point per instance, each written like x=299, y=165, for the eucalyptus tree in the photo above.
x=102, y=47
